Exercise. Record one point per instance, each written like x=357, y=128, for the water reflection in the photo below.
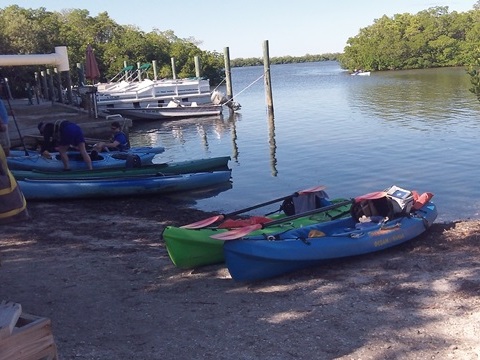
x=272, y=143
x=232, y=121
x=415, y=129
x=414, y=98
x=192, y=196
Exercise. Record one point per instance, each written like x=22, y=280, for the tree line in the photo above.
x=430, y=38
x=38, y=31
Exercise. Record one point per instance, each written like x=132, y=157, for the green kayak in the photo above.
x=181, y=167
x=189, y=248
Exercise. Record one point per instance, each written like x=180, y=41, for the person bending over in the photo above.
x=61, y=135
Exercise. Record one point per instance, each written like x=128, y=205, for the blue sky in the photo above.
x=291, y=27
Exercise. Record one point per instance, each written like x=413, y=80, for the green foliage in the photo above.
x=474, y=72
x=284, y=60
x=37, y=31
x=431, y=38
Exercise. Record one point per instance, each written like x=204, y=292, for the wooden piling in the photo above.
x=59, y=85
x=174, y=71
x=268, y=82
x=154, y=65
x=228, y=73
x=139, y=71
x=197, y=66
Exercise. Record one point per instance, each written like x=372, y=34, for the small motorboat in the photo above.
x=360, y=73
x=179, y=111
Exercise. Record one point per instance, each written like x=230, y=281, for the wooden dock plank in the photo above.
x=9, y=314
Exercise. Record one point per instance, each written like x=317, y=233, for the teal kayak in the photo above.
x=55, y=189
x=180, y=167
x=114, y=159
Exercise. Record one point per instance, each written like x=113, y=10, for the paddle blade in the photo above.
x=371, y=196
x=313, y=189
x=211, y=220
x=237, y=233
x=203, y=223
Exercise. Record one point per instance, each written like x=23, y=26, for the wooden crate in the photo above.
x=24, y=336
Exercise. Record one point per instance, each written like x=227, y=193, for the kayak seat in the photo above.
x=372, y=208
x=133, y=161
x=305, y=202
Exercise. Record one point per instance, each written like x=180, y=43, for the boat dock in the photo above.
x=27, y=117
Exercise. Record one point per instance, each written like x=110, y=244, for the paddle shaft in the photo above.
x=240, y=232
x=206, y=222
x=253, y=207
x=306, y=213
x=15, y=120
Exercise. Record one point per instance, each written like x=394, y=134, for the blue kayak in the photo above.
x=114, y=159
x=264, y=256
x=34, y=189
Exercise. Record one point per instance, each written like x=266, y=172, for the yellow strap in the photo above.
x=15, y=211
x=13, y=185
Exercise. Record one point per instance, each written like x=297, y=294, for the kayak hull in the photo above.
x=117, y=187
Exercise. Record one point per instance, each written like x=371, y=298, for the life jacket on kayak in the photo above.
x=391, y=203
x=305, y=202
x=13, y=206
x=293, y=205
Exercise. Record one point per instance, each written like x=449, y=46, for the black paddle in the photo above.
x=240, y=232
x=205, y=222
x=15, y=120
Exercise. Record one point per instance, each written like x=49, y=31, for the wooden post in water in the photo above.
x=197, y=66
x=268, y=82
x=174, y=72
x=228, y=73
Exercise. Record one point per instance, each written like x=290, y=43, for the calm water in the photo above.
x=416, y=129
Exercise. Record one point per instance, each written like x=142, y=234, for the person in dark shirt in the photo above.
x=4, y=136
x=118, y=142
x=60, y=136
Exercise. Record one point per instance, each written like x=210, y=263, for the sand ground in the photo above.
x=100, y=271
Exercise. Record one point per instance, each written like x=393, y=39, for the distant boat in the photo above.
x=361, y=73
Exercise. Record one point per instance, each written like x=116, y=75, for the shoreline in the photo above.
x=100, y=271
